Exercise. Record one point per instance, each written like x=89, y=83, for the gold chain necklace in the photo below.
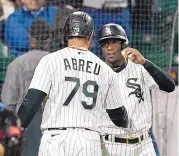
x=79, y=48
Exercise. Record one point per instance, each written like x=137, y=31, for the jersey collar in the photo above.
x=120, y=68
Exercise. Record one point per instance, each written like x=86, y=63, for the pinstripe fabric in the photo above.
x=136, y=83
x=79, y=86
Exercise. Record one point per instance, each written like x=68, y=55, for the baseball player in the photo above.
x=138, y=76
x=77, y=86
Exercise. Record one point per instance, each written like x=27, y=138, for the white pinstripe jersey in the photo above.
x=136, y=84
x=78, y=85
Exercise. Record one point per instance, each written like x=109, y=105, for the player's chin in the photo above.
x=111, y=60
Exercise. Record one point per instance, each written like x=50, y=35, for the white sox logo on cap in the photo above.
x=108, y=31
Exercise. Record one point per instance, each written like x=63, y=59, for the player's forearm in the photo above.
x=30, y=106
x=119, y=116
x=164, y=81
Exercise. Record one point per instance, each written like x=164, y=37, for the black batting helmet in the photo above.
x=112, y=31
x=78, y=24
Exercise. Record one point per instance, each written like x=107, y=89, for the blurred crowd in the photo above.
x=16, y=17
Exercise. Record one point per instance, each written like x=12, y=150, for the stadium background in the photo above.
x=151, y=26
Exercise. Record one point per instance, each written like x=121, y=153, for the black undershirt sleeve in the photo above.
x=30, y=106
x=119, y=116
x=164, y=81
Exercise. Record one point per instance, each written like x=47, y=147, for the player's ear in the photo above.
x=123, y=46
x=89, y=38
x=91, y=35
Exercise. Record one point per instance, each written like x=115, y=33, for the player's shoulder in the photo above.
x=25, y=58
x=106, y=67
x=61, y=52
x=64, y=50
x=13, y=64
x=49, y=56
x=17, y=61
x=133, y=66
x=16, y=64
x=56, y=57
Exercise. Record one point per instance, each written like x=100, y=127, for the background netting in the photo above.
x=151, y=27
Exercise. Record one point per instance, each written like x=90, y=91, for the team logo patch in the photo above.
x=131, y=83
x=108, y=31
x=76, y=30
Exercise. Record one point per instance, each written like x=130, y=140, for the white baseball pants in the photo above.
x=70, y=142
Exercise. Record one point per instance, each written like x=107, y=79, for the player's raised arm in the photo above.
x=38, y=90
x=163, y=79
x=114, y=103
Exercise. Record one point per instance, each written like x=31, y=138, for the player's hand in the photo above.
x=134, y=55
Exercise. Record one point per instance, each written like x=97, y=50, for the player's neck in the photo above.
x=120, y=62
x=78, y=44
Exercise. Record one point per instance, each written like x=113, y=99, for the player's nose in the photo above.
x=109, y=47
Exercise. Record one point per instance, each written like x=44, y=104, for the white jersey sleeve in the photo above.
x=42, y=77
x=114, y=95
x=149, y=79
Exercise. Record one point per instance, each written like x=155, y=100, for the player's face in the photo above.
x=112, y=51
